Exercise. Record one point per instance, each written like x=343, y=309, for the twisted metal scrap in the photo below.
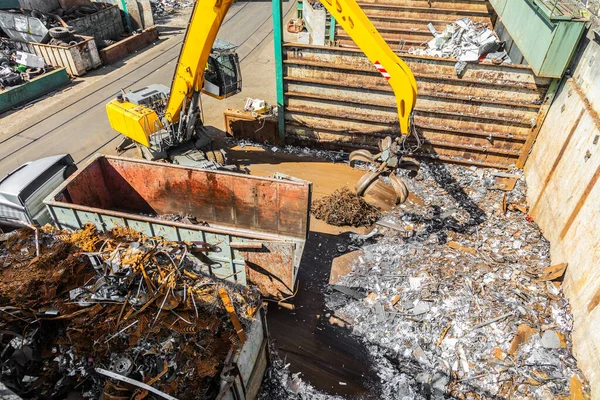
x=344, y=207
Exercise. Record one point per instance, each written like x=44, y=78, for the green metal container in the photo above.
x=33, y=89
x=9, y=4
x=546, y=35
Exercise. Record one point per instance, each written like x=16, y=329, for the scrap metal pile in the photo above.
x=467, y=41
x=55, y=26
x=458, y=298
x=17, y=67
x=161, y=8
x=280, y=384
x=78, y=308
x=344, y=207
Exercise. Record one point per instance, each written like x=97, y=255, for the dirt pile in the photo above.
x=343, y=207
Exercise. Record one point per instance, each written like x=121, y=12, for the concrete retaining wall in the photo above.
x=564, y=197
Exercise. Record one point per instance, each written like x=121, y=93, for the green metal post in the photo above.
x=127, y=17
x=332, y=30
x=278, y=47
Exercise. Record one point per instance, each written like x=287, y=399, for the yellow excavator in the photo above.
x=166, y=123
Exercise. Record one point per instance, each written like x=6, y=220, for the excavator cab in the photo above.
x=222, y=76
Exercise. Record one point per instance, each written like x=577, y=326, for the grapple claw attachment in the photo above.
x=386, y=163
x=365, y=181
x=400, y=187
x=361, y=155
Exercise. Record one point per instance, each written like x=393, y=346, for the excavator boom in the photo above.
x=357, y=25
x=207, y=17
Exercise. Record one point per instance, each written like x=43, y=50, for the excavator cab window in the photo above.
x=222, y=76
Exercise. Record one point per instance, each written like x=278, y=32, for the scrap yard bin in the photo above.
x=78, y=58
x=256, y=227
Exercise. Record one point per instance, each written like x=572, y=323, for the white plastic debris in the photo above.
x=30, y=60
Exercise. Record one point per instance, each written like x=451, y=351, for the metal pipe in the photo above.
x=278, y=49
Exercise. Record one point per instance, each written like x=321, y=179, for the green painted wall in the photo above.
x=278, y=49
x=547, y=41
x=9, y=4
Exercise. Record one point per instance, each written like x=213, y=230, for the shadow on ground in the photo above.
x=325, y=354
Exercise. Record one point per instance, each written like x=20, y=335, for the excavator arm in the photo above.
x=207, y=17
x=357, y=25
x=136, y=115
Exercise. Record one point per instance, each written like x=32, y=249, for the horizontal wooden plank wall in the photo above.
x=335, y=98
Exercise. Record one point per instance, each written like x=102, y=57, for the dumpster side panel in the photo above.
x=251, y=360
x=257, y=226
x=269, y=267
x=264, y=205
x=88, y=188
x=77, y=59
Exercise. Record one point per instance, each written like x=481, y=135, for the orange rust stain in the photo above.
x=580, y=203
x=593, y=113
x=594, y=301
x=557, y=160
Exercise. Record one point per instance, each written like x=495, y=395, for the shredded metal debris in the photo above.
x=162, y=8
x=457, y=304
x=280, y=383
x=344, y=207
x=329, y=155
x=465, y=40
x=13, y=65
x=120, y=302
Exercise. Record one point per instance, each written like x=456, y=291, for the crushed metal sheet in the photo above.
x=467, y=41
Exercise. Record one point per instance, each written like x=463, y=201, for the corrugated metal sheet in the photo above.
x=335, y=96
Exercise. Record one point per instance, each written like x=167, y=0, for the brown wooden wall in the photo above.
x=335, y=98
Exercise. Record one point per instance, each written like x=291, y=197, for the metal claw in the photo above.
x=386, y=143
x=387, y=162
x=410, y=165
x=365, y=181
x=361, y=155
x=400, y=187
